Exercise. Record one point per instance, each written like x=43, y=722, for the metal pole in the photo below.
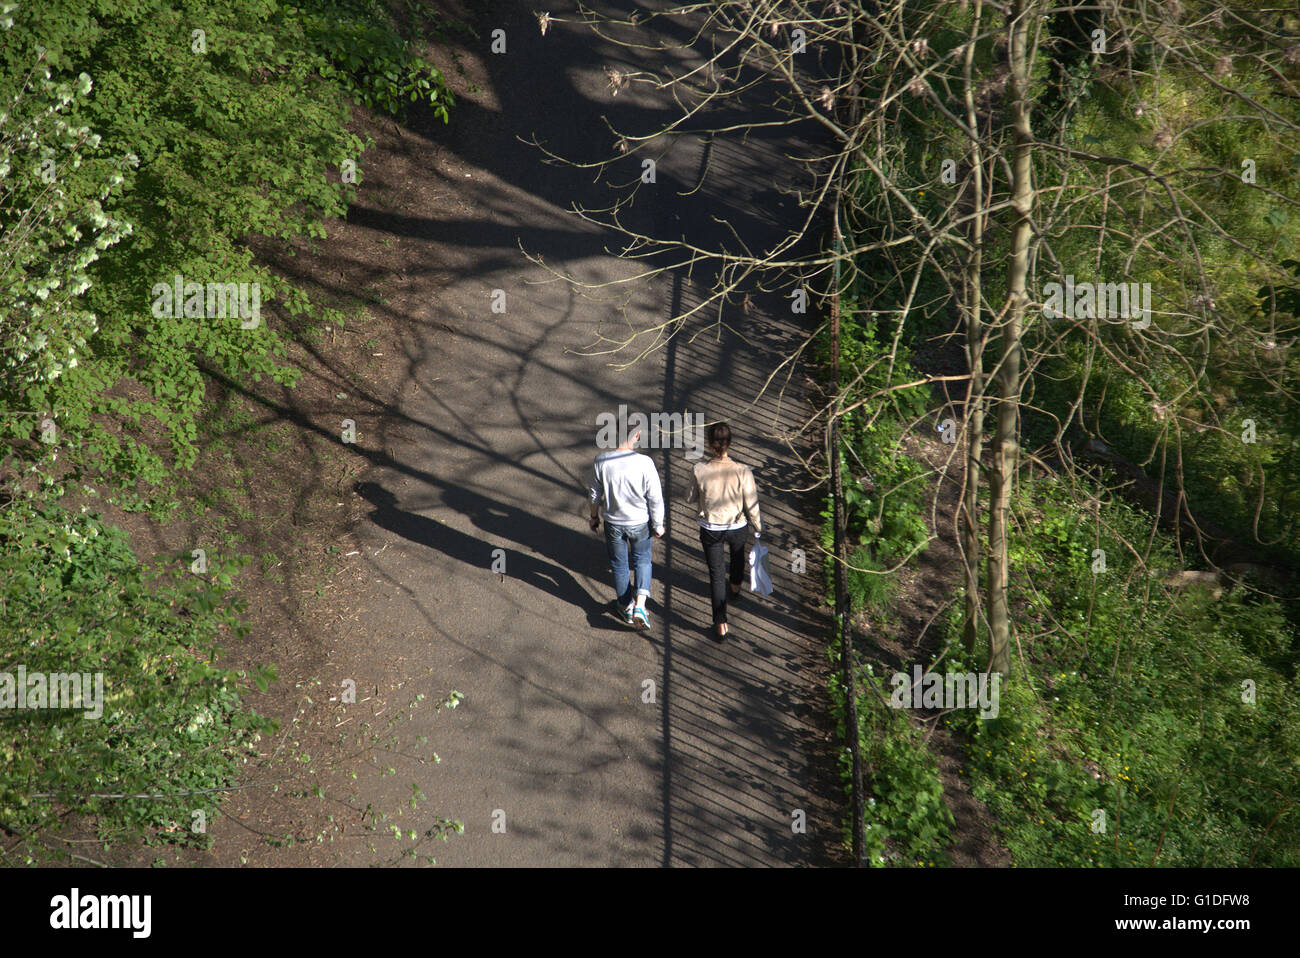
x=843, y=613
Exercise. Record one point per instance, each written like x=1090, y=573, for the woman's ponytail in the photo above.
x=719, y=439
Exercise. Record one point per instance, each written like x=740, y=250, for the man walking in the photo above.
x=627, y=484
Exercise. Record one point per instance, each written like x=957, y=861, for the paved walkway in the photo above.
x=490, y=450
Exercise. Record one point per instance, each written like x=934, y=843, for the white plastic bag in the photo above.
x=759, y=579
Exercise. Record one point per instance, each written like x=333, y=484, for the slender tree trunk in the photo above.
x=1023, y=16
x=974, y=447
x=974, y=356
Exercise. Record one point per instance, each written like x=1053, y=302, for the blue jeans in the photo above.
x=638, y=541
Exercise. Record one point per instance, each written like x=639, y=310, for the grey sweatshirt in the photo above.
x=627, y=483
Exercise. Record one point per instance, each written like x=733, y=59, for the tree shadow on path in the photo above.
x=497, y=519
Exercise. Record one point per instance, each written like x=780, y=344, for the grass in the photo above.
x=1124, y=737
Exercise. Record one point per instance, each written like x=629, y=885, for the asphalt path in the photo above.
x=579, y=740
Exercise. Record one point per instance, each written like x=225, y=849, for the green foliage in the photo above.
x=1133, y=707
x=883, y=487
x=1220, y=355
x=233, y=114
x=907, y=806
x=50, y=236
x=906, y=819
x=171, y=733
x=1286, y=298
x=140, y=141
x=1130, y=702
x=375, y=66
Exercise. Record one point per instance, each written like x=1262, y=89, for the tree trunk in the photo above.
x=1023, y=15
x=972, y=293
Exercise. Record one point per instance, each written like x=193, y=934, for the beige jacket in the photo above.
x=724, y=492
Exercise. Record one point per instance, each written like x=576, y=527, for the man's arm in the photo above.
x=596, y=492
x=654, y=497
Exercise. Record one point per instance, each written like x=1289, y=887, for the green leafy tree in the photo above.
x=237, y=113
x=167, y=736
x=49, y=237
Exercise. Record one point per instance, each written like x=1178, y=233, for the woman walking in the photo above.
x=726, y=500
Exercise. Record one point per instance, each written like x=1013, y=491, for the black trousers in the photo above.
x=717, y=547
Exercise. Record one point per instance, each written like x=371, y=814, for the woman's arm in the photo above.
x=749, y=489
